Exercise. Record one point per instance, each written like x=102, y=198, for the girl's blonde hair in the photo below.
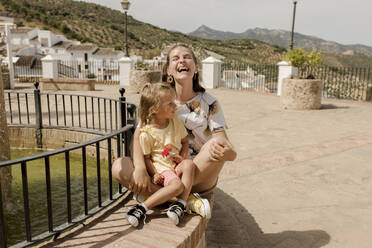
x=150, y=99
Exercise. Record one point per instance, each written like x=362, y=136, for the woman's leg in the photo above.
x=122, y=171
x=207, y=170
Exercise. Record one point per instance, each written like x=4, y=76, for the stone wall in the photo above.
x=138, y=78
x=67, y=84
x=58, y=138
x=5, y=172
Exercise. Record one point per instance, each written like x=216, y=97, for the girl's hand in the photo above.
x=177, y=159
x=140, y=182
x=158, y=179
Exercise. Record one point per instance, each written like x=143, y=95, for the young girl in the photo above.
x=163, y=140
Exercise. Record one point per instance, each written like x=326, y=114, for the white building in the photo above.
x=76, y=59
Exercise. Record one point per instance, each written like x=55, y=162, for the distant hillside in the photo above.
x=282, y=38
x=105, y=27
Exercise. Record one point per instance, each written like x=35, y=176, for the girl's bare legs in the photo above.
x=122, y=171
x=174, y=188
x=186, y=171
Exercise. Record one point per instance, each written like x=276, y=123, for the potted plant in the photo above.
x=302, y=91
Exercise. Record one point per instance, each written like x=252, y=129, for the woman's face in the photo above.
x=181, y=64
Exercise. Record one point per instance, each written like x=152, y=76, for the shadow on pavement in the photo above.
x=332, y=106
x=233, y=226
x=100, y=232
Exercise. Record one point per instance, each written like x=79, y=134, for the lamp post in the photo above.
x=293, y=23
x=125, y=4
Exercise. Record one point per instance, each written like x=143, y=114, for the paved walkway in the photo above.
x=302, y=179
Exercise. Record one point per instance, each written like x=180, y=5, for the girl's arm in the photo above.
x=185, y=147
x=156, y=177
x=140, y=182
x=150, y=166
x=183, y=152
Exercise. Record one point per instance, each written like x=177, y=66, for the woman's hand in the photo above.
x=216, y=150
x=220, y=148
x=140, y=182
x=158, y=179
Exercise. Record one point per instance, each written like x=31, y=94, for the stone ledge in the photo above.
x=111, y=229
x=67, y=84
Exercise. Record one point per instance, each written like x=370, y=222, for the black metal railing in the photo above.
x=257, y=77
x=66, y=111
x=338, y=82
x=343, y=82
x=88, y=210
x=114, y=119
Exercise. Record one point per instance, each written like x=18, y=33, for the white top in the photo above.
x=202, y=116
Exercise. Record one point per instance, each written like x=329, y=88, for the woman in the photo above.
x=202, y=116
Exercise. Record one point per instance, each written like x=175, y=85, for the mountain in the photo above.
x=105, y=27
x=282, y=38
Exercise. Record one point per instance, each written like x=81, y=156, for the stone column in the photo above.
x=285, y=71
x=211, y=72
x=5, y=172
x=10, y=56
x=125, y=67
x=49, y=67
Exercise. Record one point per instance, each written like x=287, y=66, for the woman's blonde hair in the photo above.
x=150, y=99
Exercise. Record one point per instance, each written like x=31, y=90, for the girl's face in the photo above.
x=181, y=64
x=167, y=107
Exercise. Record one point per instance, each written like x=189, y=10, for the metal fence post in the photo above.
x=123, y=121
x=38, y=115
x=2, y=223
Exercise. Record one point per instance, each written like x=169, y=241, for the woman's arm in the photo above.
x=140, y=181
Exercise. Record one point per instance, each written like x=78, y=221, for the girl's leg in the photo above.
x=122, y=170
x=186, y=171
x=174, y=188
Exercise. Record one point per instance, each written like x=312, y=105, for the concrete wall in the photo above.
x=58, y=138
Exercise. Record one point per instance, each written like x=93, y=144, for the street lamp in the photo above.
x=293, y=22
x=125, y=4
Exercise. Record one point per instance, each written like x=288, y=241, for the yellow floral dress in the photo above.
x=162, y=143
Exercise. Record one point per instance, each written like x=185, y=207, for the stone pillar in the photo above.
x=125, y=64
x=211, y=72
x=285, y=71
x=5, y=172
x=49, y=67
x=10, y=56
x=6, y=77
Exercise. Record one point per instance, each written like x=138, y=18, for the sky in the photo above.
x=343, y=21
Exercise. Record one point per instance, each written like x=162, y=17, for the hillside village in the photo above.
x=30, y=45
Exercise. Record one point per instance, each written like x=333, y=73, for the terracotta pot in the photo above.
x=301, y=94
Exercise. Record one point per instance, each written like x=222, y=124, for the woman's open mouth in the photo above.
x=182, y=69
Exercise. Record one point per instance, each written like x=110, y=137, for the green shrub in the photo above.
x=91, y=75
x=301, y=59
